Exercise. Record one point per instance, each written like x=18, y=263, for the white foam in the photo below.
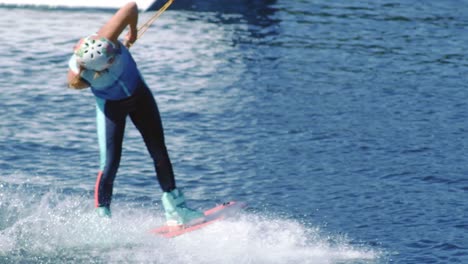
x=59, y=226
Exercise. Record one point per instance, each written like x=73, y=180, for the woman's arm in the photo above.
x=126, y=16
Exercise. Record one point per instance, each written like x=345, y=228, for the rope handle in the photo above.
x=142, y=29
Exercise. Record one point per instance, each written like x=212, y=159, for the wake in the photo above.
x=52, y=227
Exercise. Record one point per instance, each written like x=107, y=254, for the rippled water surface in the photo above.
x=341, y=123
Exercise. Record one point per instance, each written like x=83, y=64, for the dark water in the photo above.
x=341, y=124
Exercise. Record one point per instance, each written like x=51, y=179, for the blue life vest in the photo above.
x=117, y=82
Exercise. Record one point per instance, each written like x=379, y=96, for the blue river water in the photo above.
x=342, y=124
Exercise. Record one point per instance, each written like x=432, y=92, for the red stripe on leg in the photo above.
x=96, y=189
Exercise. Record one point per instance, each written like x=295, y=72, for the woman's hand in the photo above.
x=131, y=37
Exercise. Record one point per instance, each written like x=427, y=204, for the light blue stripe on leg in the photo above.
x=101, y=130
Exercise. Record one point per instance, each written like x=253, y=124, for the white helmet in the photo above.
x=95, y=53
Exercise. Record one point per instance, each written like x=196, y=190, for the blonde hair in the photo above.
x=98, y=74
x=74, y=83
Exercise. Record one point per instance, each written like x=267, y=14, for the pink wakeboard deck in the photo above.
x=212, y=215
